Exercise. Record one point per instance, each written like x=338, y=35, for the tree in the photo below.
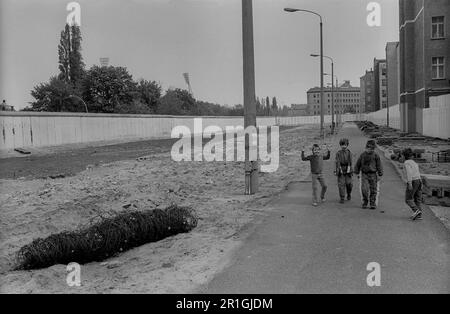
x=267, y=106
x=274, y=105
x=148, y=94
x=180, y=101
x=171, y=104
x=108, y=89
x=55, y=96
x=71, y=65
x=76, y=59
x=259, y=107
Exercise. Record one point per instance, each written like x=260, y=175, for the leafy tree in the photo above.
x=267, y=106
x=71, y=65
x=178, y=100
x=171, y=104
x=76, y=59
x=259, y=107
x=56, y=96
x=148, y=94
x=106, y=89
x=274, y=105
x=136, y=107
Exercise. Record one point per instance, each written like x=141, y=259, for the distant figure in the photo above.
x=413, y=195
x=5, y=107
x=369, y=165
x=316, y=160
x=344, y=170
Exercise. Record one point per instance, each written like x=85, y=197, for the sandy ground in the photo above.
x=179, y=264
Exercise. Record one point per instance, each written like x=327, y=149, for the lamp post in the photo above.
x=291, y=10
x=251, y=166
x=333, y=123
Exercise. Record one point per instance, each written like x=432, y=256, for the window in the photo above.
x=437, y=27
x=438, y=68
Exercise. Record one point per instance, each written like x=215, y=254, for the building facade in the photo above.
x=380, y=83
x=367, y=90
x=299, y=110
x=346, y=99
x=424, y=57
x=393, y=73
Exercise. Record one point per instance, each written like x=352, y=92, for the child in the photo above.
x=413, y=195
x=369, y=165
x=316, y=160
x=344, y=170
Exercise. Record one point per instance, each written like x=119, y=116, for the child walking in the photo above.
x=344, y=171
x=316, y=160
x=369, y=165
x=413, y=195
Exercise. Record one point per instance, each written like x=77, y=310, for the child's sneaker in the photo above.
x=416, y=214
x=364, y=206
x=373, y=207
x=342, y=201
x=315, y=204
x=349, y=197
x=323, y=200
x=419, y=217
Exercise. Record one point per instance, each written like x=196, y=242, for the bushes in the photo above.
x=106, y=238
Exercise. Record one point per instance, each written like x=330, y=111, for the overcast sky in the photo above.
x=161, y=39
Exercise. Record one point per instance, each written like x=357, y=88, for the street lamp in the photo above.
x=291, y=10
x=333, y=124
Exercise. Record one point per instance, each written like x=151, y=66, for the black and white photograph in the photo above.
x=224, y=153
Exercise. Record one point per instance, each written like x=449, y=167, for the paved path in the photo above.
x=302, y=249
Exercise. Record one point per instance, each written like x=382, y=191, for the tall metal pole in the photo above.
x=339, y=103
x=251, y=166
x=322, y=133
x=332, y=97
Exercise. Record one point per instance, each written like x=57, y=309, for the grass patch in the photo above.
x=106, y=238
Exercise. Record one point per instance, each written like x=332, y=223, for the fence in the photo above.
x=39, y=129
x=436, y=119
x=380, y=117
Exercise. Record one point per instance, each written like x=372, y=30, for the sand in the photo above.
x=179, y=264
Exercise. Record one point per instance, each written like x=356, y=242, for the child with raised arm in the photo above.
x=316, y=161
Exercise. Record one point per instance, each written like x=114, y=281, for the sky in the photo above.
x=161, y=39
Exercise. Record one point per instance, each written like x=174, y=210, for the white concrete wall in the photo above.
x=436, y=119
x=380, y=117
x=40, y=129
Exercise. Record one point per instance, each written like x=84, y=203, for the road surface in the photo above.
x=303, y=249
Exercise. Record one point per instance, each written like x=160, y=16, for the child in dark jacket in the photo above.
x=344, y=170
x=316, y=160
x=369, y=165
